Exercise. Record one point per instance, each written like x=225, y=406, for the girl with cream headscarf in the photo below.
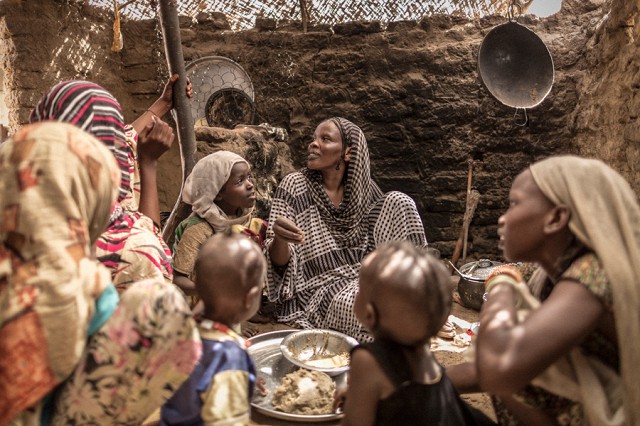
x=222, y=197
x=568, y=355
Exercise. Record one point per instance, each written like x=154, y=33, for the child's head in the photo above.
x=230, y=273
x=220, y=182
x=237, y=192
x=404, y=294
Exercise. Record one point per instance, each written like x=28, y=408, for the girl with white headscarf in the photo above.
x=222, y=197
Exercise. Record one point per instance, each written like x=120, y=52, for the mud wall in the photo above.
x=605, y=118
x=413, y=87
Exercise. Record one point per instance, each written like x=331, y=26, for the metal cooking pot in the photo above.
x=515, y=65
x=471, y=284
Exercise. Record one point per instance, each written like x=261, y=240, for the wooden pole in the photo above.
x=459, y=242
x=304, y=15
x=468, y=209
x=184, y=121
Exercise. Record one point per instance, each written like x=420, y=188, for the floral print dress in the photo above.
x=70, y=351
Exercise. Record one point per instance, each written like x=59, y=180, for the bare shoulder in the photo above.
x=366, y=370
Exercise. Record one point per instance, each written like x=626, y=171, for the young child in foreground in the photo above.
x=404, y=299
x=230, y=273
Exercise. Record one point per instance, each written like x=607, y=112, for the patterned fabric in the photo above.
x=131, y=246
x=57, y=187
x=526, y=269
x=91, y=108
x=605, y=217
x=135, y=362
x=219, y=389
x=192, y=232
x=317, y=288
x=132, y=201
x=204, y=183
x=587, y=271
x=193, y=220
x=133, y=249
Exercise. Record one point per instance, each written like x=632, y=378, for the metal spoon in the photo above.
x=456, y=269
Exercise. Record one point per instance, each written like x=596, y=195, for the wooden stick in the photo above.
x=465, y=226
x=304, y=15
x=458, y=248
x=184, y=121
x=473, y=203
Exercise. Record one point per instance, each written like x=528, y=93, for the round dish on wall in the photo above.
x=212, y=74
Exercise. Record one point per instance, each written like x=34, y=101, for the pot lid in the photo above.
x=479, y=270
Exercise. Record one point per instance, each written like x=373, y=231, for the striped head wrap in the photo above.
x=360, y=191
x=90, y=107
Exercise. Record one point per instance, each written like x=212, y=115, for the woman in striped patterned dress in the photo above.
x=323, y=221
x=131, y=247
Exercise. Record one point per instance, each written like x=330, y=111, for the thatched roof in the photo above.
x=241, y=14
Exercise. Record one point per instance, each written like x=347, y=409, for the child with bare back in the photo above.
x=230, y=274
x=404, y=299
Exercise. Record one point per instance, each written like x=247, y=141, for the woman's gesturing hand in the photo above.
x=286, y=230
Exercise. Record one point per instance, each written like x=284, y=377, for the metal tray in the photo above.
x=273, y=366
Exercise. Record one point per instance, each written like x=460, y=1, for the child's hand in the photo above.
x=286, y=230
x=261, y=386
x=339, y=397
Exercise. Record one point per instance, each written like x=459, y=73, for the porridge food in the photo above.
x=305, y=392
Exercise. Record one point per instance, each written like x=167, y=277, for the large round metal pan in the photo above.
x=515, y=65
x=272, y=366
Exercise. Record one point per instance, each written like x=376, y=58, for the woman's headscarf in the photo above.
x=131, y=246
x=205, y=182
x=94, y=110
x=57, y=187
x=605, y=216
x=360, y=191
